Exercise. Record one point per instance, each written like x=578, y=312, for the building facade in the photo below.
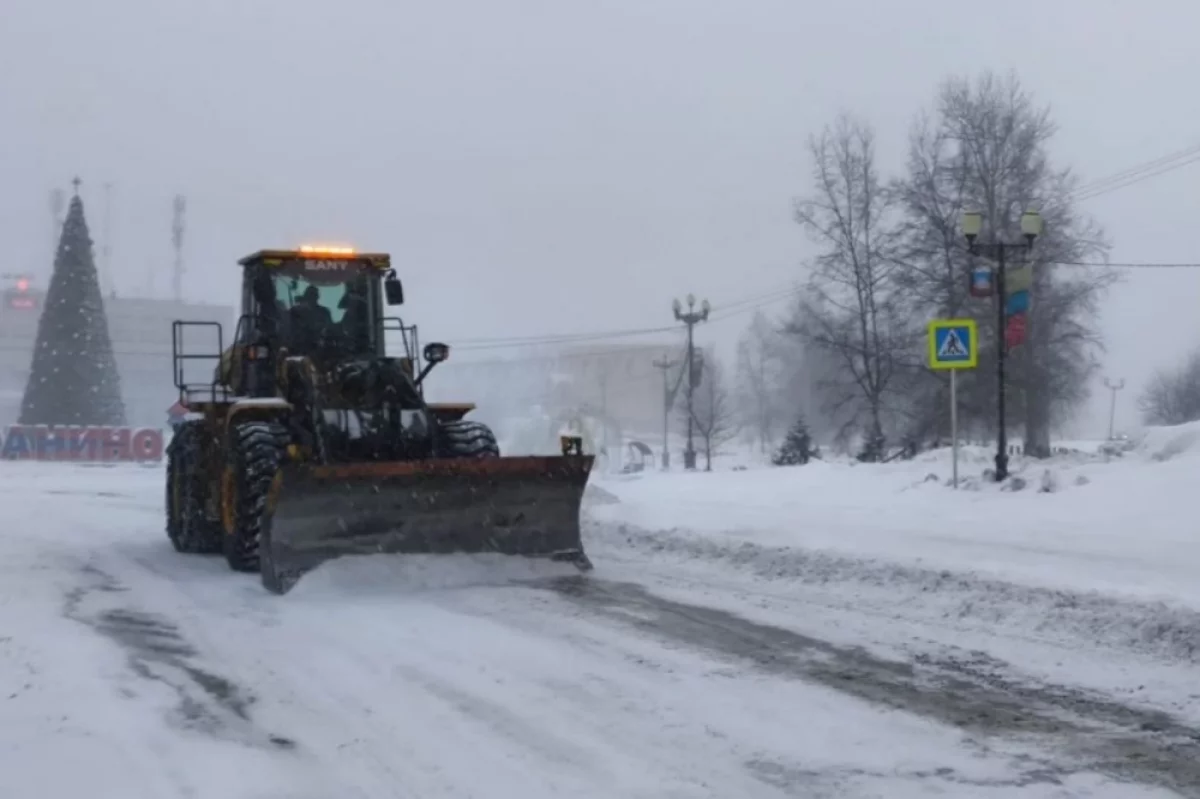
x=141, y=331
x=615, y=382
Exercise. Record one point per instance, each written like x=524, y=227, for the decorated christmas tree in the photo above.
x=74, y=378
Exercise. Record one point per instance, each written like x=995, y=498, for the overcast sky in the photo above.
x=541, y=166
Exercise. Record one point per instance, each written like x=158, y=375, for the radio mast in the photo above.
x=178, y=226
x=106, y=275
x=58, y=201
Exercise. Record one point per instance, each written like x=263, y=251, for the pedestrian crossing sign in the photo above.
x=953, y=344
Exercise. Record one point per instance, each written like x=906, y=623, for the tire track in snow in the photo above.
x=1091, y=618
x=342, y=748
x=699, y=730
x=410, y=711
x=500, y=720
x=1087, y=732
x=158, y=652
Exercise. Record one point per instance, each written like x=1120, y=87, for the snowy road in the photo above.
x=129, y=671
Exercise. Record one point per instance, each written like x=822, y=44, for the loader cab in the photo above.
x=324, y=304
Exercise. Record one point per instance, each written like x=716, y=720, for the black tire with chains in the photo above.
x=189, y=528
x=467, y=439
x=255, y=452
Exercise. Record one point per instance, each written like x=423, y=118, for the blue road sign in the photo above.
x=953, y=344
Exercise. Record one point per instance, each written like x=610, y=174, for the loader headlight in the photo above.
x=436, y=352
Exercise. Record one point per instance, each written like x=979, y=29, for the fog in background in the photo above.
x=559, y=166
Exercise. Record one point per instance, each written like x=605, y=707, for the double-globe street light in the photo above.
x=1031, y=228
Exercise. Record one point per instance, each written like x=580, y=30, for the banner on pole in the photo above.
x=1018, y=303
x=1014, y=331
x=1018, y=278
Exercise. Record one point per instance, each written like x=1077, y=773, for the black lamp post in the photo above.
x=1031, y=228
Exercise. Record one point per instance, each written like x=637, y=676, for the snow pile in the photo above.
x=1112, y=559
x=1165, y=443
x=595, y=495
x=364, y=576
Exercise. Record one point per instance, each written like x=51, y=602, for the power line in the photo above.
x=737, y=310
x=749, y=304
x=746, y=306
x=1129, y=265
x=1138, y=179
x=560, y=355
x=1118, y=180
x=559, y=338
x=734, y=308
x=1137, y=168
x=1138, y=173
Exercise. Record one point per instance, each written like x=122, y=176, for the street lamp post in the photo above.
x=1114, y=387
x=1031, y=228
x=664, y=365
x=691, y=318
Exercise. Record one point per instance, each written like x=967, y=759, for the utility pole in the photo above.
x=604, y=411
x=691, y=318
x=665, y=365
x=178, y=226
x=1031, y=228
x=1114, y=387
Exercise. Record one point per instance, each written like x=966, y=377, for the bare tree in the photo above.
x=1173, y=396
x=985, y=148
x=853, y=308
x=760, y=380
x=714, y=416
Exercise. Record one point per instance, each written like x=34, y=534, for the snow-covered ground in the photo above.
x=825, y=631
x=1084, y=521
x=1086, y=573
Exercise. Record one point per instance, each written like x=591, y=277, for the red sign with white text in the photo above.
x=74, y=443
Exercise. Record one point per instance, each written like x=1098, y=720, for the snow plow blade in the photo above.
x=527, y=506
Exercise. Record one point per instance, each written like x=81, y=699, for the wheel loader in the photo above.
x=311, y=442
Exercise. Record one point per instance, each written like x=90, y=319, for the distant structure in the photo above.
x=106, y=275
x=178, y=226
x=619, y=383
x=58, y=203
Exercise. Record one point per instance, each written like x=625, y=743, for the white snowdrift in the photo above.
x=350, y=578
x=1110, y=555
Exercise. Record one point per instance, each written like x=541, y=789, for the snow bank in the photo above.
x=878, y=585
x=1098, y=545
x=356, y=576
x=1164, y=443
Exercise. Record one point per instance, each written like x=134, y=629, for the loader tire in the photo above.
x=466, y=439
x=189, y=528
x=248, y=484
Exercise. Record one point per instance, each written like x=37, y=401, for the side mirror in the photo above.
x=392, y=289
x=436, y=353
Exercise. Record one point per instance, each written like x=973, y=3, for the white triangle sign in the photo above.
x=952, y=346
